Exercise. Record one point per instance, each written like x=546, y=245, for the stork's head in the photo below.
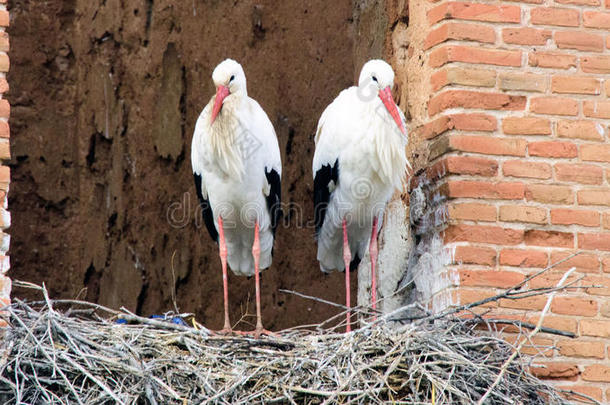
x=378, y=76
x=229, y=79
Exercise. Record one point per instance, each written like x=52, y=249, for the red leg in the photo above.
x=222, y=247
x=347, y=258
x=373, y=250
x=256, y=252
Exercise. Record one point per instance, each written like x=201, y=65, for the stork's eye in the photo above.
x=375, y=78
x=232, y=78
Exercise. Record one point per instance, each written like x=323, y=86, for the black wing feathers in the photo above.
x=206, y=209
x=274, y=199
x=321, y=193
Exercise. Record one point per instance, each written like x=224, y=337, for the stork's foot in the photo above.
x=260, y=331
x=230, y=332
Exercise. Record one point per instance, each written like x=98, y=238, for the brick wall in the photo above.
x=510, y=109
x=5, y=218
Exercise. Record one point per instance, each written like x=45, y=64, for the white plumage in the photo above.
x=237, y=167
x=358, y=131
x=232, y=156
x=359, y=162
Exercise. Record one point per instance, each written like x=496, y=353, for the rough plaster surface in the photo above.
x=105, y=95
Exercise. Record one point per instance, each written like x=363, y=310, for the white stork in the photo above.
x=237, y=169
x=359, y=161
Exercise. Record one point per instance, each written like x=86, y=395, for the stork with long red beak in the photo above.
x=237, y=169
x=359, y=161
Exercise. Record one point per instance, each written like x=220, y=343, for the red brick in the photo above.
x=475, y=166
x=606, y=264
x=473, y=212
x=474, y=255
x=579, y=2
x=534, y=237
x=550, y=279
x=523, y=82
x=483, y=234
x=5, y=44
x=5, y=151
x=462, y=122
x=4, y=18
x=523, y=213
x=579, y=173
x=489, y=145
x=584, y=262
x=583, y=41
x=530, y=303
x=594, y=241
x=534, y=346
x=460, y=32
x=463, y=77
x=554, y=106
x=525, y=36
x=596, y=372
x=526, y=126
x=576, y=85
x=574, y=306
x=563, y=216
x=606, y=220
x=528, y=169
x=593, y=392
x=594, y=197
x=490, y=278
x=594, y=19
x=481, y=189
x=528, y=1
x=468, y=296
x=474, y=122
x=596, y=109
x=595, y=153
x=555, y=370
x=550, y=194
x=523, y=258
x=468, y=54
x=5, y=108
x=585, y=349
x=5, y=174
x=4, y=130
x=473, y=99
x=595, y=64
x=567, y=324
x=4, y=62
x=588, y=130
x=595, y=328
x=552, y=149
x=602, y=285
x=564, y=17
x=474, y=11
x=552, y=60
x=4, y=87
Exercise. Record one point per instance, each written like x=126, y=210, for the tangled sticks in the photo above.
x=80, y=355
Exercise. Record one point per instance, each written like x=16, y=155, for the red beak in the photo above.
x=386, y=97
x=221, y=93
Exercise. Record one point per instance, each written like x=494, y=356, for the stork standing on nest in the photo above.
x=359, y=161
x=237, y=169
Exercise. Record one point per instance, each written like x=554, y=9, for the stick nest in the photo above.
x=67, y=352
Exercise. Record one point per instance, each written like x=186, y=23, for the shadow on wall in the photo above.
x=105, y=96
